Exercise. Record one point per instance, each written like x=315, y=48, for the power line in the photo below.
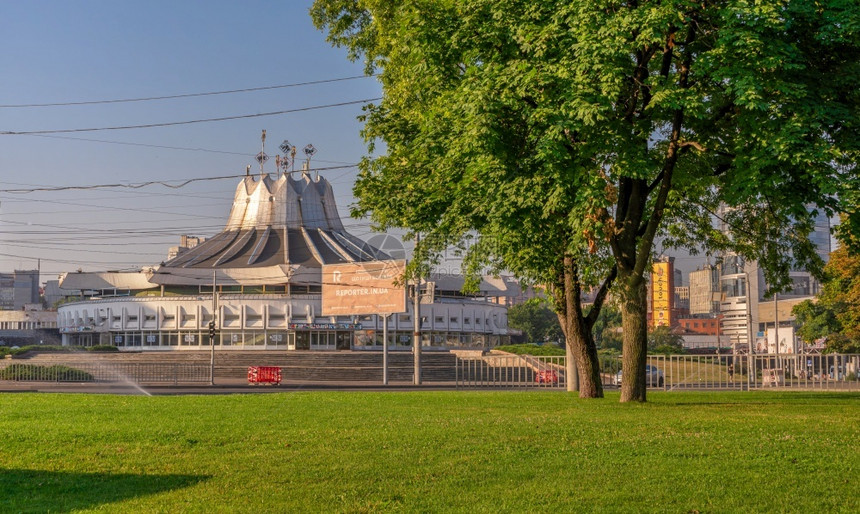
x=63, y=261
x=182, y=183
x=165, y=147
x=145, y=145
x=188, y=122
x=187, y=95
x=48, y=248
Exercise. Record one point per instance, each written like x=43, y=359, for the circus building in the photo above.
x=266, y=270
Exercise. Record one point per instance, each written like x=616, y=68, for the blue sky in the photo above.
x=58, y=52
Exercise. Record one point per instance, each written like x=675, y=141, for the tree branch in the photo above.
x=602, y=293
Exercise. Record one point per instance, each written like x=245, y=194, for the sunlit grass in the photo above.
x=430, y=452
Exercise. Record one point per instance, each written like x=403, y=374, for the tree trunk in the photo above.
x=581, y=349
x=582, y=353
x=635, y=343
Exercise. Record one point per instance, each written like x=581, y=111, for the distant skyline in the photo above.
x=68, y=52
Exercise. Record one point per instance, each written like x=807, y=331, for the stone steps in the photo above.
x=295, y=365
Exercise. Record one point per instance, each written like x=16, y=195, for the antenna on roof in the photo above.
x=262, y=157
x=289, y=156
x=309, y=151
x=248, y=170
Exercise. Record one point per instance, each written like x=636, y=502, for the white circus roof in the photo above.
x=279, y=230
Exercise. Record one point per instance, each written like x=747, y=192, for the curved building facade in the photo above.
x=265, y=268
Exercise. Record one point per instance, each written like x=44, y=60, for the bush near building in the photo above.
x=532, y=349
x=48, y=373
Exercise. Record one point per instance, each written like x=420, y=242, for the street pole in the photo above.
x=750, y=367
x=776, y=327
x=212, y=335
x=416, y=321
x=385, y=349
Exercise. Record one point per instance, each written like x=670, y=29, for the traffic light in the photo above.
x=211, y=330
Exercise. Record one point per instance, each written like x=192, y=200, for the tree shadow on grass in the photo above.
x=24, y=490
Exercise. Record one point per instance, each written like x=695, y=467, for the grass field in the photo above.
x=430, y=452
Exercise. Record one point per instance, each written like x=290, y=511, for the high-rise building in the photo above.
x=704, y=284
x=663, y=292
x=18, y=289
x=748, y=315
x=682, y=297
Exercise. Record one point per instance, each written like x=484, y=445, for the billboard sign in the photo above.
x=661, y=294
x=363, y=288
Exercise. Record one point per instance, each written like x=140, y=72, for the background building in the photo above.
x=704, y=291
x=19, y=289
x=21, y=328
x=185, y=243
x=748, y=315
x=266, y=268
x=663, y=292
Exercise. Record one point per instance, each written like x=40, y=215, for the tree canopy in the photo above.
x=661, y=340
x=536, y=320
x=836, y=314
x=570, y=134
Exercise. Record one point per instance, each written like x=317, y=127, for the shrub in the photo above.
x=666, y=349
x=532, y=349
x=41, y=348
x=102, y=348
x=53, y=373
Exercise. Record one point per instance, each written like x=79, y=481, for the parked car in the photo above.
x=653, y=377
x=546, y=376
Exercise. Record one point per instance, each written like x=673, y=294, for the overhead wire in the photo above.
x=186, y=95
x=187, y=122
x=138, y=185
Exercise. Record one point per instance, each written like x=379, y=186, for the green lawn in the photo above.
x=430, y=452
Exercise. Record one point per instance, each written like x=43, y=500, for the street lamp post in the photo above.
x=751, y=365
x=416, y=322
x=385, y=349
x=212, y=334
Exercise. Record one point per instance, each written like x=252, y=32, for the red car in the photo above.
x=546, y=376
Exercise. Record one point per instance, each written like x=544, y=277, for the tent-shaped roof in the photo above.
x=279, y=230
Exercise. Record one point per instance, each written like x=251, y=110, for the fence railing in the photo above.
x=670, y=372
x=134, y=373
x=510, y=371
x=673, y=372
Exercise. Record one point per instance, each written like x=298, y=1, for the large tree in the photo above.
x=569, y=134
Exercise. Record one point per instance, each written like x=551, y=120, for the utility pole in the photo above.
x=416, y=319
x=776, y=327
x=212, y=334
x=385, y=349
x=751, y=365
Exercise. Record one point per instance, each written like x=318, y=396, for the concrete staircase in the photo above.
x=300, y=366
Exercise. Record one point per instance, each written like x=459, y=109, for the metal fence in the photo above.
x=673, y=372
x=131, y=373
x=670, y=373
x=511, y=371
